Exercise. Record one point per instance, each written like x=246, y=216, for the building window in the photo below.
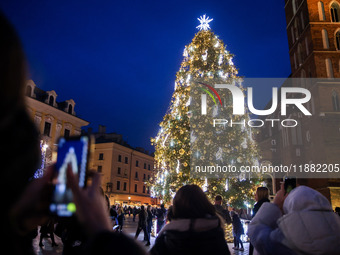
x=321, y=8
x=124, y=187
x=28, y=91
x=51, y=101
x=294, y=6
x=70, y=110
x=101, y=156
x=99, y=169
x=118, y=185
x=296, y=28
x=300, y=58
x=302, y=21
x=148, y=177
x=325, y=40
x=119, y=170
x=335, y=12
x=126, y=160
x=137, y=163
x=292, y=31
x=66, y=133
x=148, y=190
x=143, y=189
x=136, y=175
x=135, y=187
x=47, y=129
x=119, y=158
x=144, y=177
x=109, y=187
x=149, y=167
x=337, y=40
x=144, y=165
x=335, y=101
x=329, y=68
x=307, y=46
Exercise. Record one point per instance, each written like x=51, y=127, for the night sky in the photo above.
x=118, y=59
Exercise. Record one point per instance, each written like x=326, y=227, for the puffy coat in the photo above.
x=308, y=226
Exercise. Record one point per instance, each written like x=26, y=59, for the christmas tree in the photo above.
x=183, y=137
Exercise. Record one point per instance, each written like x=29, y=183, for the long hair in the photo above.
x=190, y=202
x=19, y=147
x=12, y=67
x=262, y=193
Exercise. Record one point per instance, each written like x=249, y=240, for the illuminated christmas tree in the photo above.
x=181, y=136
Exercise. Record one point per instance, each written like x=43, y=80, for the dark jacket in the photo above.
x=142, y=218
x=223, y=213
x=150, y=217
x=107, y=243
x=258, y=205
x=161, y=214
x=237, y=225
x=191, y=236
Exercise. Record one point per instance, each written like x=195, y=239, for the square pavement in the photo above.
x=129, y=229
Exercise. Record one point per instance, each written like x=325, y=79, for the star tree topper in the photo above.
x=204, y=23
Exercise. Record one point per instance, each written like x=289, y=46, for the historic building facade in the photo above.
x=125, y=170
x=53, y=119
x=313, y=30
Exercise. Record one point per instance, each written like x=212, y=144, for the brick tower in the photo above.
x=313, y=30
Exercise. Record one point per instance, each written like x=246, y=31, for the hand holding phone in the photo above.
x=73, y=152
x=289, y=184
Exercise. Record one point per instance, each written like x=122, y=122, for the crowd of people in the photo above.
x=300, y=222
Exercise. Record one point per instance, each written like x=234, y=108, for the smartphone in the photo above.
x=72, y=151
x=289, y=183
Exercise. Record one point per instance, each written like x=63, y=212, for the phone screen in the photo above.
x=71, y=151
x=289, y=184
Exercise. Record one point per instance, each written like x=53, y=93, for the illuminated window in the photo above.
x=325, y=39
x=321, y=8
x=329, y=68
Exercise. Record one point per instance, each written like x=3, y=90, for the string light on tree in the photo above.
x=205, y=58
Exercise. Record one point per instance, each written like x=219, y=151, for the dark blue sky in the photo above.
x=118, y=59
